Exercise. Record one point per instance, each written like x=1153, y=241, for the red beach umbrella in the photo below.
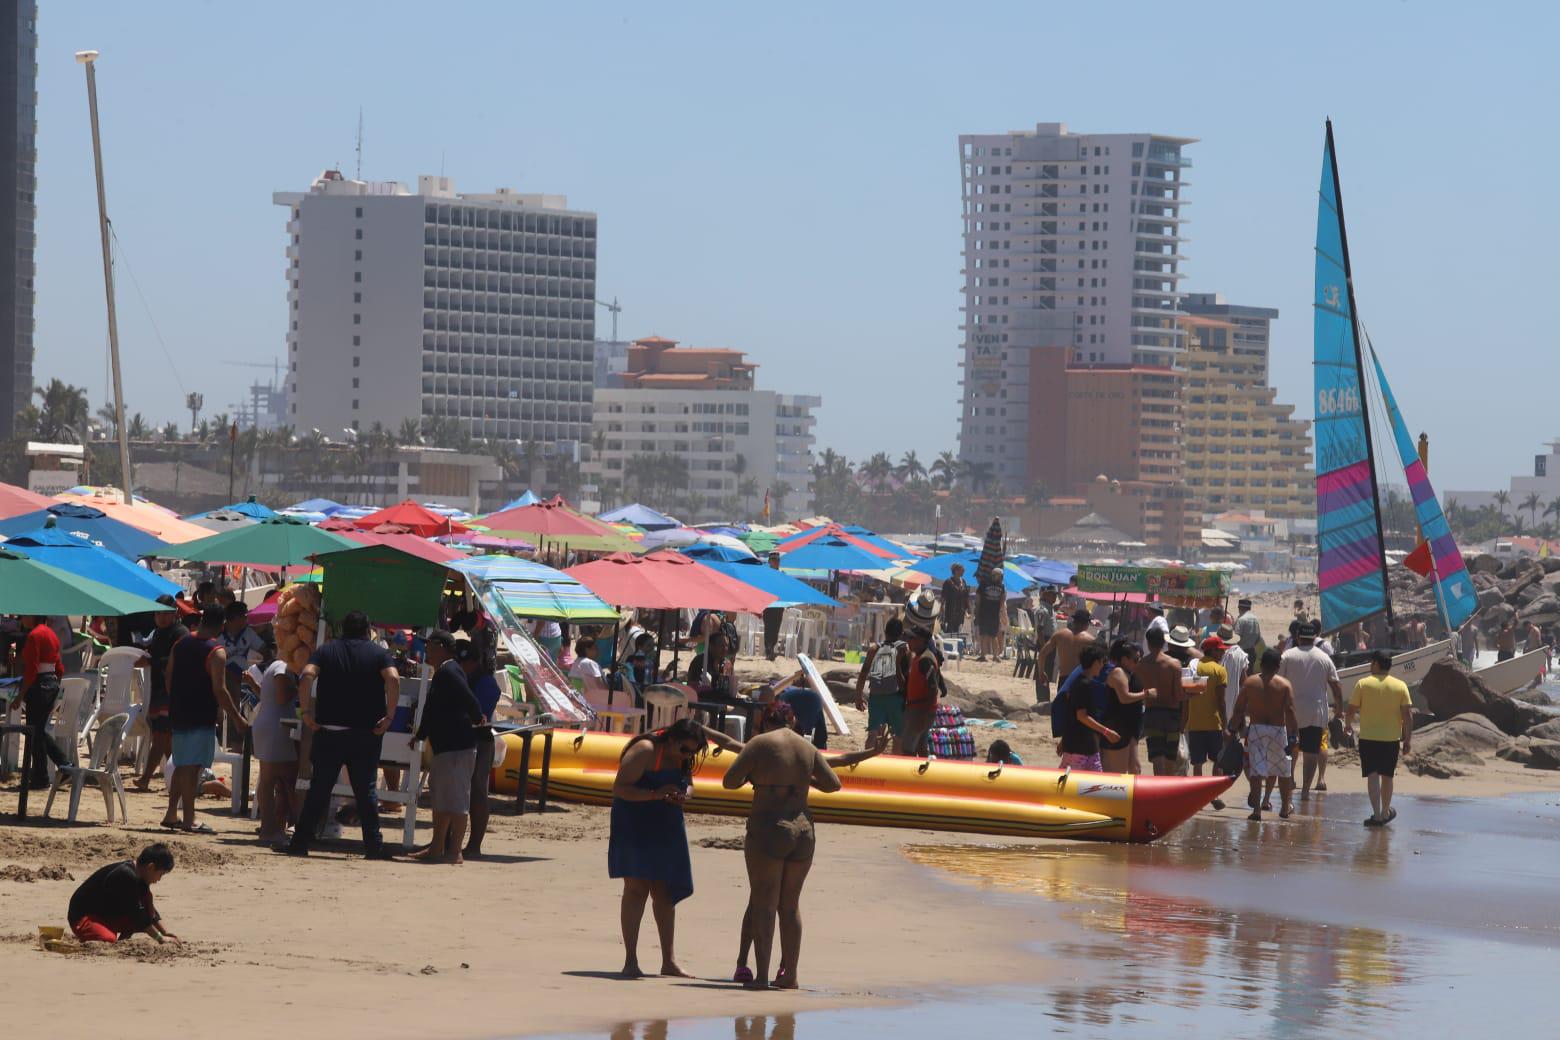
x=14, y=501
x=414, y=518
x=667, y=580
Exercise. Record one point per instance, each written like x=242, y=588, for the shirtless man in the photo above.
x=1268, y=702
x=1533, y=638
x=1064, y=646
x=1506, y=641
x=781, y=764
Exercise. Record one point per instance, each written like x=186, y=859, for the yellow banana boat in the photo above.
x=894, y=791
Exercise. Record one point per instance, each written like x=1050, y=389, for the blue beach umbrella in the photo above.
x=527, y=499
x=832, y=554
x=249, y=507
x=89, y=524
x=50, y=545
x=940, y=568
x=789, y=591
x=640, y=516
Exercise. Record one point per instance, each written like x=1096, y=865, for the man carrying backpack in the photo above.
x=1074, y=711
x=880, y=685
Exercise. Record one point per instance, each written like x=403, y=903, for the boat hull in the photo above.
x=1411, y=666
x=1517, y=673
x=894, y=791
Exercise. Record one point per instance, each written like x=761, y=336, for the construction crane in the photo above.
x=616, y=310
x=275, y=366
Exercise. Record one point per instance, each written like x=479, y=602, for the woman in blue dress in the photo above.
x=648, y=848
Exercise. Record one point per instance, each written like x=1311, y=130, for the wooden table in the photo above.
x=528, y=732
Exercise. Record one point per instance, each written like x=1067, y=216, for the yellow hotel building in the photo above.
x=1241, y=450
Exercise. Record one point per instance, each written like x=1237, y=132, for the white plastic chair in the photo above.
x=665, y=706
x=118, y=681
x=234, y=760
x=620, y=715
x=103, y=771
x=78, y=698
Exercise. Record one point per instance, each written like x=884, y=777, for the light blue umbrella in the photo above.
x=789, y=591
x=52, y=546
x=940, y=568
x=638, y=515
x=527, y=499
x=249, y=507
x=831, y=554
x=92, y=525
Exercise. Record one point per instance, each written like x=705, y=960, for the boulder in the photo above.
x=1532, y=695
x=1550, y=564
x=1450, y=690
x=1495, y=616
x=1491, y=597
x=1441, y=763
x=1545, y=610
x=1543, y=754
x=1475, y=734
x=1484, y=580
x=1550, y=582
x=1483, y=563
x=1519, y=751
x=1545, y=730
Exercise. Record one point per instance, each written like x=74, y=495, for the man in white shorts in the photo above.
x=1267, y=702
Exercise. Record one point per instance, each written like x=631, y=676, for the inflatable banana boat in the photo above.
x=928, y=794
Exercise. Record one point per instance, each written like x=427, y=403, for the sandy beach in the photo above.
x=526, y=941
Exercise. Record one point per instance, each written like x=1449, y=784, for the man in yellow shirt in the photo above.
x=1386, y=717
x=1205, y=710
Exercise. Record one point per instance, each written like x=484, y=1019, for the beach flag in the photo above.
x=1419, y=561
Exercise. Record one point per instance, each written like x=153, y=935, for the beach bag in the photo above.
x=883, y=675
x=1232, y=757
x=1059, y=708
x=956, y=742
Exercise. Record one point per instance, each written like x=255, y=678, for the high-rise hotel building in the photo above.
x=415, y=304
x=1072, y=244
x=18, y=207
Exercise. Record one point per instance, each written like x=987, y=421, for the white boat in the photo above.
x=1411, y=666
x=1513, y=674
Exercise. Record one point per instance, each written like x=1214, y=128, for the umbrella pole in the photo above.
x=613, y=667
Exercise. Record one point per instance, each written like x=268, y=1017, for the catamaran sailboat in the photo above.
x=1351, y=546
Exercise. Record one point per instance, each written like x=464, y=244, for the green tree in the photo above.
x=945, y=469
x=777, y=496
x=910, y=469
x=979, y=475
x=63, y=413
x=1502, y=501
x=1531, y=504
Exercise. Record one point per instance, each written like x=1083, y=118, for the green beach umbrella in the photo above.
x=761, y=542
x=279, y=541
x=30, y=587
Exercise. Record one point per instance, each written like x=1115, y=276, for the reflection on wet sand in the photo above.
x=1138, y=949
x=744, y=1027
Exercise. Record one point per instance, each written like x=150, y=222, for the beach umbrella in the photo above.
x=1047, y=572
x=153, y=519
x=640, y=516
x=831, y=554
x=15, y=501
x=762, y=542
x=89, y=524
x=221, y=520
x=453, y=512
x=399, y=538
x=671, y=538
x=314, y=505
x=57, y=548
x=30, y=587
x=532, y=589
x=554, y=523
x=859, y=537
x=940, y=568
x=249, y=508
x=666, y=580
x=277, y=542
x=991, y=553
x=487, y=542
x=413, y=517
x=787, y=590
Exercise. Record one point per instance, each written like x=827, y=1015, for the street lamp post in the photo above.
x=87, y=58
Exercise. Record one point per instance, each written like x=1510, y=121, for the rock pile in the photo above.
x=1473, y=721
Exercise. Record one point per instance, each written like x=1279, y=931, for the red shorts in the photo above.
x=90, y=929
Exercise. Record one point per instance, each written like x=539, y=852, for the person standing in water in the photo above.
x=648, y=844
x=1386, y=717
x=782, y=765
x=1268, y=702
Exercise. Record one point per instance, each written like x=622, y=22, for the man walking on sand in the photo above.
x=1314, y=679
x=1386, y=717
x=1248, y=630
x=1266, y=707
x=1065, y=647
x=197, y=693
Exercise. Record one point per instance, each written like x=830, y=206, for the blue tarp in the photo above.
x=55, y=547
x=91, y=524
x=639, y=516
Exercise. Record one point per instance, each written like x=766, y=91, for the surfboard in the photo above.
x=831, y=710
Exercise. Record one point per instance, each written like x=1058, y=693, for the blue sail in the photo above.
x=1349, y=570
x=1454, y=587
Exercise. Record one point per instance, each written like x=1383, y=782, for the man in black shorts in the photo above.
x=1164, y=718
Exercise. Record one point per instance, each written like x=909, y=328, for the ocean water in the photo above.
x=1443, y=924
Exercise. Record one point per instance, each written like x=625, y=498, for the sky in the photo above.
x=785, y=181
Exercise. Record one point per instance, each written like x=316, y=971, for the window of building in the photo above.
x=357, y=254
x=358, y=233
x=356, y=362
x=354, y=404
x=360, y=212
x=357, y=276
x=357, y=297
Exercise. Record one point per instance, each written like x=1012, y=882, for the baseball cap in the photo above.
x=1308, y=630
x=1213, y=643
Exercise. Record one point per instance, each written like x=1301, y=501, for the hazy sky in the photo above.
x=786, y=181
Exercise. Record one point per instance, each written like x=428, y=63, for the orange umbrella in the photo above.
x=667, y=580
x=153, y=519
x=414, y=518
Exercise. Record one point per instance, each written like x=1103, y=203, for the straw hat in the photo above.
x=923, y=608
x=1181, y=636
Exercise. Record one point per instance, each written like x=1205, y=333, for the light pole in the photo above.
x=87, y=58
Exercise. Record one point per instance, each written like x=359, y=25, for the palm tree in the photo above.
x=692, y=503
x=979, y=474
x=910, y=469
x=1531, y=504
x=777, y=496
x=1502, y=500
x=63, y=413
x=747, y=489
x=138, y=429
x=878, y=470
x=170, y=431
x=409, y=434
x=1038, y=494
x=1553, y=509
x=945, y=469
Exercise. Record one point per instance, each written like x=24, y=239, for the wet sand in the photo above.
x=1441, y=925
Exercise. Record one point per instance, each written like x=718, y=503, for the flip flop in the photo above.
x=1391, y=815
x=199, y=828
x=742, y=975
x=1321, y=788
x=1371, y=821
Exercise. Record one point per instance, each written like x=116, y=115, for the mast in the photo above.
x=1359, y=367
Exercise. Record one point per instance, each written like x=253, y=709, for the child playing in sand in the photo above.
x=116, y=901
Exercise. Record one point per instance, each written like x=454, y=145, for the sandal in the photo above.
x=198, y=828
x=742, y=974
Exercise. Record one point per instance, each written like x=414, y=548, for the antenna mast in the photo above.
x=360, y=144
